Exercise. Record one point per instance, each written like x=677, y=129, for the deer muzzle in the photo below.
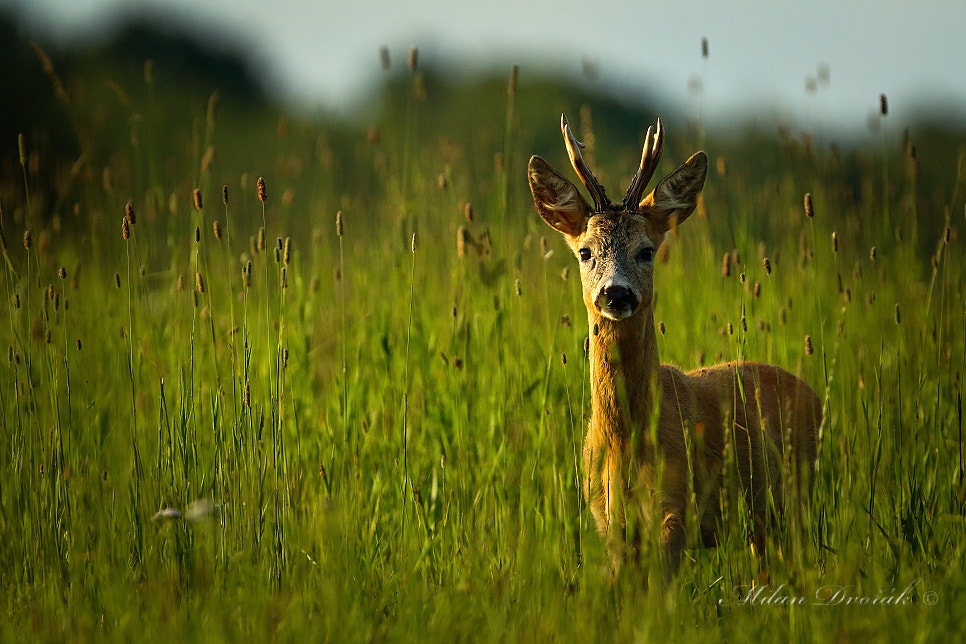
x=616, y=301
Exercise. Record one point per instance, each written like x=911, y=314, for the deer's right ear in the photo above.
x=558, y=201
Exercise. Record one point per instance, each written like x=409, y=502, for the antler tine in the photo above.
x=653, y=146
x=580, y=167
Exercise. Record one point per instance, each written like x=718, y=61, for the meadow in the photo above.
x=278, y=376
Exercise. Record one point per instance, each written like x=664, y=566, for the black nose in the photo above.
x=620, y=298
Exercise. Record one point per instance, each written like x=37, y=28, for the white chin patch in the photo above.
x=616, y=314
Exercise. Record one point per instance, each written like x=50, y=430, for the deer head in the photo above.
x=616, y=243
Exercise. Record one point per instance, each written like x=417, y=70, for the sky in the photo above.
x=761, y=53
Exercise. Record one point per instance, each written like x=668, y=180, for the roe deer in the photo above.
x=654, y=430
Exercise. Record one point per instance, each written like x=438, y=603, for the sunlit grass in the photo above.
x=289, y=427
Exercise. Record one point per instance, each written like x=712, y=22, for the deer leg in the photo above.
x=673, y=540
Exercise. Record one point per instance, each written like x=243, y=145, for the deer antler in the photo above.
x=601, y=202
x=649, y=160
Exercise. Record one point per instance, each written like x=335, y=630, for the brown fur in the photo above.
x=657, y=434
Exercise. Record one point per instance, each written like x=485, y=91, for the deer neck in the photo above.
x=624, y=366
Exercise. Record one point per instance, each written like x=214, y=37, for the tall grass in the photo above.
x=222, y=459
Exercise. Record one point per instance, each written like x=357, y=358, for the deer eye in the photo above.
x=585, y=254
x=645, y=255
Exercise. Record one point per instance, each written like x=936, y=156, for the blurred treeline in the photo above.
x=127, y=114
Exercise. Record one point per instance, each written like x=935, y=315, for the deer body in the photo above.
x=657, y=434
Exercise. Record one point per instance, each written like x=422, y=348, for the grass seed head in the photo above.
x=809, y=348
x=125, y=229
x=129, y=213
x=208, y=159
x=413, y=60
x=287, y=251
x=27, y=239
x=62, y=273
x=196, y=195
x=338, y=223
x=117, y=280
x=224, y=195
x=262, y=192
x=511, y=87
x=704, y=47
x=767, y=264
x=216, y=228
x=883, y=105
x=835, y=242
x=199, y=283
x=809, y=208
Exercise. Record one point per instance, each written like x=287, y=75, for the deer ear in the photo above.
x=676, y=195
x=558, y=201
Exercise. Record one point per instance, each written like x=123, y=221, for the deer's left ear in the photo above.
x=558, y=201
x=676, y=195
